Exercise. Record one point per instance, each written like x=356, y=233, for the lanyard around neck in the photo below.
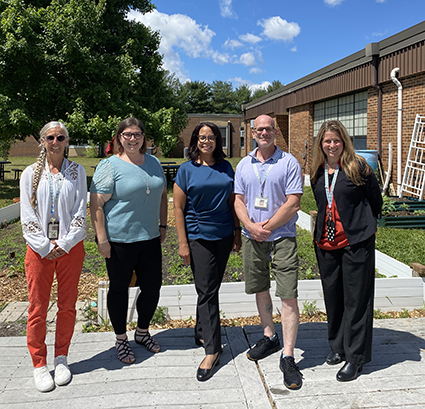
x=262, y=183
x=54, y=198
x=330, y=192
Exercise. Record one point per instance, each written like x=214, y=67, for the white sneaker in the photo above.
x=62, y=372
x=43, y=380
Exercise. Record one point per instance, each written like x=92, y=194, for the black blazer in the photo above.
x=358, y=206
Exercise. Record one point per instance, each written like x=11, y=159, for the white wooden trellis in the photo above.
x=414, y=175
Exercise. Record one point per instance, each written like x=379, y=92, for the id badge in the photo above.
x=261, y=202
x=53, y=229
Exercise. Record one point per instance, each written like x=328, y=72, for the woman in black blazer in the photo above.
x=349, y=201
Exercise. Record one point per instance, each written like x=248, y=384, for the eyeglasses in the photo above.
x=51, y=138
x=210, y=138
x=128, y=135
x=269, y=129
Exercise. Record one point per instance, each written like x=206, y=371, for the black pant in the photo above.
x=208, y=260
x=348, y=280
x=145, y=258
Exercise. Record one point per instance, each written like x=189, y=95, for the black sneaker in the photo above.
x=292, y=377
x=264, y=347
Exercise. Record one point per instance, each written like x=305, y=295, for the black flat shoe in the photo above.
x=205, y=374
x=348, y=372
x=334, y=358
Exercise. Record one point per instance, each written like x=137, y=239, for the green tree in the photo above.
x=80, y=61
x=242, y=96
x=223, y=98
x=276, y=84
x=258, y=93
x=196, y=97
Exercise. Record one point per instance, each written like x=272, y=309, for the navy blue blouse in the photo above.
x=207, y=213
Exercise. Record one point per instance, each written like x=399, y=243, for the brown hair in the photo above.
x=355, y=167
x=126, y=123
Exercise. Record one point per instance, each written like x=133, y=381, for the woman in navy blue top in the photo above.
x=208, y=230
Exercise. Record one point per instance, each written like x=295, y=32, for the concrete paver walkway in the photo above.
x=395, y=378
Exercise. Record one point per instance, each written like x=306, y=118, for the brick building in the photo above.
x=30, y=147
x=231, y=127
x=360, y=90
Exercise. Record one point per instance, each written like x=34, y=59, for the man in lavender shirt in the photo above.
x=268, y=188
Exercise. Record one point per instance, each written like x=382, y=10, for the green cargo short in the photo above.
x=279, y=257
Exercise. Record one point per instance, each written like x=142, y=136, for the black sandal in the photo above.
x=124, y=351
x=145, y=339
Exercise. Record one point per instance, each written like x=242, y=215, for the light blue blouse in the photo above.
x=130, y=214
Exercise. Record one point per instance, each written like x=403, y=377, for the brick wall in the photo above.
x=222, y=121
x=30, y=148
x=301, y=131
x=413, y=102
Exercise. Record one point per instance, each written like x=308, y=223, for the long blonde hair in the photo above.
x=355, y=167
x=42, y=158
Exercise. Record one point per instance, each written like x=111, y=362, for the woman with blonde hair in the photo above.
x=349, y=201
x=53, y=217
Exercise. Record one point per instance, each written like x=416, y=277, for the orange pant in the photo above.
x=40, y=274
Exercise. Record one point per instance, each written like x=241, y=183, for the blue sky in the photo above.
x=255, y=42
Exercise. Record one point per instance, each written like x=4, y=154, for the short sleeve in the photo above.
x=239, y=187
x=181, y=178
x=294, y=181
x=229, y=170
x=103, y=178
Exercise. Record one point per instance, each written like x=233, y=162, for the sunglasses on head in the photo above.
x=51, y=138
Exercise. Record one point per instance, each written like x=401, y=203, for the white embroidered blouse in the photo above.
x=70, y=208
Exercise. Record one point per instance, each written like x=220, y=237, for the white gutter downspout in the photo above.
x=399, y=117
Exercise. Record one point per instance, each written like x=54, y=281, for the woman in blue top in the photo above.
x=207, y=229
x=128, y=205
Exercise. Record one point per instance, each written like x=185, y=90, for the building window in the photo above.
x=351, y=110
x=242, y=137
x=223, y=130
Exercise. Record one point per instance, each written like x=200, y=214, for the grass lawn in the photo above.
x=405, y=245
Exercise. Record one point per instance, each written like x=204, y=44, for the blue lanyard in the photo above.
x=275, y=159
x=330, y=192
x=54, y=198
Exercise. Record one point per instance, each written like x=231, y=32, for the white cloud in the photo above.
x=238, y=82
x=255, y=70
x=179, y=31
x=255, y=87
x=294, y=49
x=232, y=44
x=333, y=2
x=381, y=1
x=276, y=28
x=248, y=59
x=220, y=58
x=181, y=34
x=226, y=9
x=378, y=34
x=250, y=38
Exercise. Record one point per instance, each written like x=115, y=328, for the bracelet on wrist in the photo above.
x=103, y=242
x=238, y=228
x=163, y=226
